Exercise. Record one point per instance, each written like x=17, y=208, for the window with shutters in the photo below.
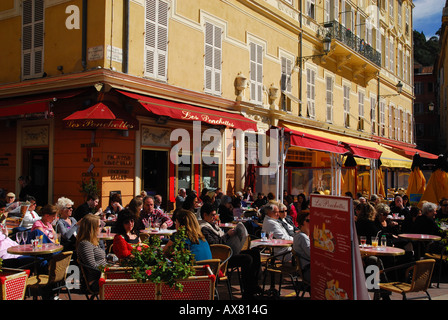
x=361, y=111
x=256, y=73
x=392, y=56
x=32, y=39
x=329, y=94
x=399, y=10
x=391, y=9
x=382, y=125
x=213, y=58
x=391, y=123
x=285, y=83
x=311, y=8
x=347, y=106
x=156, y=39
x=310, y=92
x=373, y=113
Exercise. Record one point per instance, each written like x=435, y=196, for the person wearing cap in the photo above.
x=10, y=198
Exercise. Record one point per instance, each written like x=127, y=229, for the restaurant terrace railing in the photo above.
x=335, y=30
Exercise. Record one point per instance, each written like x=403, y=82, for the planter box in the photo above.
x=116, y=284
x=13, y=283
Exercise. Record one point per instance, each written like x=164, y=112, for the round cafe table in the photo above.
x=106, y=236
x=417, y=237
x=29, y=250
x=160, y=232
x=381, y=251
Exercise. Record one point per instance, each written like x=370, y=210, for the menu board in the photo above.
x=331, y=248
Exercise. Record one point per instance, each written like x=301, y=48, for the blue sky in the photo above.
x=428, y=16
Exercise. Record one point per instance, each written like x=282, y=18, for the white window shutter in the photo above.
x=156, y=39
x=213, y=58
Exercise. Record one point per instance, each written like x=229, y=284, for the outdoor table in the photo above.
x=106, y=236
x=229, y=225
x=161, y=232
x=29, y=250
x=381, y=251
x=417, y=237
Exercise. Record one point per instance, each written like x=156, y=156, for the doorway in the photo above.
x=155, y=173
x=35, y=166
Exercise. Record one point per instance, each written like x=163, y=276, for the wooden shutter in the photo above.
x=156, y=39
x=32, y=38
x=256, y=72
x=329, y=110
x=213, y=58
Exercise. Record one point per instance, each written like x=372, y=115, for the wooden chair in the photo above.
x=440, y=259
x=421, y=279
x=144, y=236
x=222, y=252
x=55, y=280
x=85, y=283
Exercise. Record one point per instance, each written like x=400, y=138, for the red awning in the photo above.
x=363, y=151
x=33, y=104
x=99, y=116
x=182, y=111
x=411, y=151
x=308, y=141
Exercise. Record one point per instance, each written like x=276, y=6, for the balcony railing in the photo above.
x=337, y=31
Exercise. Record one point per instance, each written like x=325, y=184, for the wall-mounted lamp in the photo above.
x=399, y=89
x=162, y=120
x=327, y=48
x=431, y=106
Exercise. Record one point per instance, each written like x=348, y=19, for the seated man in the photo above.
x=271, y=224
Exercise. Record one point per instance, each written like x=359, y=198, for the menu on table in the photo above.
x=331, y=248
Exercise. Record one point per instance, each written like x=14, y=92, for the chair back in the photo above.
x=222, y=252
x=144, y=236
x=212, y=263
x=57, y=268
x=298, y=265
x=422, y=273
x=246, y=244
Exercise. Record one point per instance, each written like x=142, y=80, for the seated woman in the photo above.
x=114, y=207
x=48, y=214
x=126, y=234
x=301, y=244
x=67, y=226
x=248, y=260
x=89, y=252
x=195, y=241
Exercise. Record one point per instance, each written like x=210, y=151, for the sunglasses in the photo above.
x=68, y=208
x=307, y=220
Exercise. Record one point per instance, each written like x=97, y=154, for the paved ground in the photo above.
x=288, y=294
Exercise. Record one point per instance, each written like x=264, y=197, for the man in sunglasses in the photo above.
x=442, y=213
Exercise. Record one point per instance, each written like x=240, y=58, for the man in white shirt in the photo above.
x=271, y=223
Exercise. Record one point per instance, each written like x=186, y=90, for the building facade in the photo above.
x=93, y=93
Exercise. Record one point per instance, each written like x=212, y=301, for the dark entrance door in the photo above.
x=155, y=173
x=35, y=166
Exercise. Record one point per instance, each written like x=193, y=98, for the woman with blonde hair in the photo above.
x=367, y=223
x=89, y=252
x=195, y=240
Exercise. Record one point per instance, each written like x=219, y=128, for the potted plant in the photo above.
x=149, y=275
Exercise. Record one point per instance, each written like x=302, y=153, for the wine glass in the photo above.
x=25, y=237
x=19, y=237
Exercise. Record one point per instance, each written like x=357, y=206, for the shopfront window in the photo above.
x=184, y=176
x=210, y=175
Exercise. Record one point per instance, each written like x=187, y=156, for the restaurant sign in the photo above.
x=333, y=265
x=116, y=124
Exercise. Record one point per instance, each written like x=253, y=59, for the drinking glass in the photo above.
x=383, y=241
x=19, y=237
x=374, y=242
x=271, y=235
x=363, y=240
x=25, y=237
x=263, y=236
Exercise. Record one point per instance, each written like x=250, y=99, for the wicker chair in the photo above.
x=440, y=258
x=55, y=280
x=222, y=252
x=421, y=279
x=85, y=283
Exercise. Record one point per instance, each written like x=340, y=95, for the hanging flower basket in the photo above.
x=13, y=283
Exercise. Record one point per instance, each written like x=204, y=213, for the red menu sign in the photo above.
x=332, y=276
